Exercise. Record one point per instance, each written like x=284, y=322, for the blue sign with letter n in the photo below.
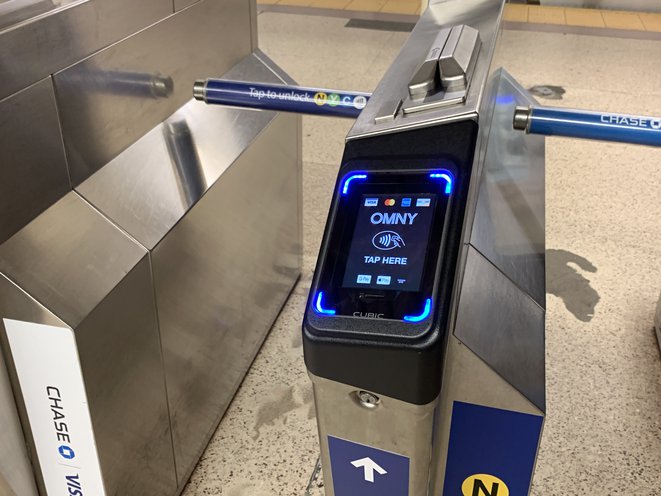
x=491, y=451
x=360, y=470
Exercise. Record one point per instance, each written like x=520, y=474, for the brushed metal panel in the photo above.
x=99, y=120
x=120, y=356
x=254, y=40
x=97, y=280
x=16, y=11
x=508, y=226
x=179, y=161
x=149, y=187
x=503, y=326
x=394, y=426
x=182, y=4
x=222, y=275
x=469, y=379
x=36, y=48
x=69, y=258
x=266, y=62
x=34, y=173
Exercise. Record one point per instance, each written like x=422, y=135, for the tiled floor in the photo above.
x=603, y=429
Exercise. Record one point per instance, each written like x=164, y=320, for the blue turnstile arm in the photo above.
x=602, y=126
x=283, y=98
x=547, y=121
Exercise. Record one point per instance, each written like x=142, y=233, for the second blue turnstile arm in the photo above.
x=602, y=126
x=283, y=98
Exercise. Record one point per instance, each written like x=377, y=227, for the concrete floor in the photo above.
x=603, y=429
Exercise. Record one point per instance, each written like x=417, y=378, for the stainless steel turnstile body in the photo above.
x=156, y=237
x=492, y=368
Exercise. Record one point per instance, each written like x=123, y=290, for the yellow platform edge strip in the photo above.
x=531, y=14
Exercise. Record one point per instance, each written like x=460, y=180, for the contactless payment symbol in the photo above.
x=360, y=470
x=387, y=240
x=320, y=98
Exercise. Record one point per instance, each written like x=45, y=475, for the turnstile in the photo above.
x=424, y=330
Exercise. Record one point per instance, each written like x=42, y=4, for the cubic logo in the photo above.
x=484, y=485
x=66, y=452
x=387, y=240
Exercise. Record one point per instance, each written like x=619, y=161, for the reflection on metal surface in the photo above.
x=95, y=124
x=53, y=40
x=33, y=174
x=216, y=198
x=503, y=326
x=508, y=226
x=396, y=426
x=147, y=201
x=221, y=276
x=15, y=11
x=96, y=280
x=127, y=83
x=547, y=91
x=567, y=283
x=187, y=166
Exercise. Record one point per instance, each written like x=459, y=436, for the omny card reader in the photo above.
x=424, y=329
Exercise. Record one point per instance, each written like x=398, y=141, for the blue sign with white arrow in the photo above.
x=360, y=470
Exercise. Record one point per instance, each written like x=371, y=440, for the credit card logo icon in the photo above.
x=383, y=280
x=389, y=202
x=371, y=202
x=406, y=202
x=364, y=279
x=423, y=202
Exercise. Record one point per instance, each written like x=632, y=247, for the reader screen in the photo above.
x=389, y=245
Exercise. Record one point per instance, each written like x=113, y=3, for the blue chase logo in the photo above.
x=66, y=452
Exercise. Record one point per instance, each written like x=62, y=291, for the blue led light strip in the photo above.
x=449, y=180
x=345, y=187
x=419, y=318
x=318, y=308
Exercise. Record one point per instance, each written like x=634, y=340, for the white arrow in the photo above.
x=369, y=466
